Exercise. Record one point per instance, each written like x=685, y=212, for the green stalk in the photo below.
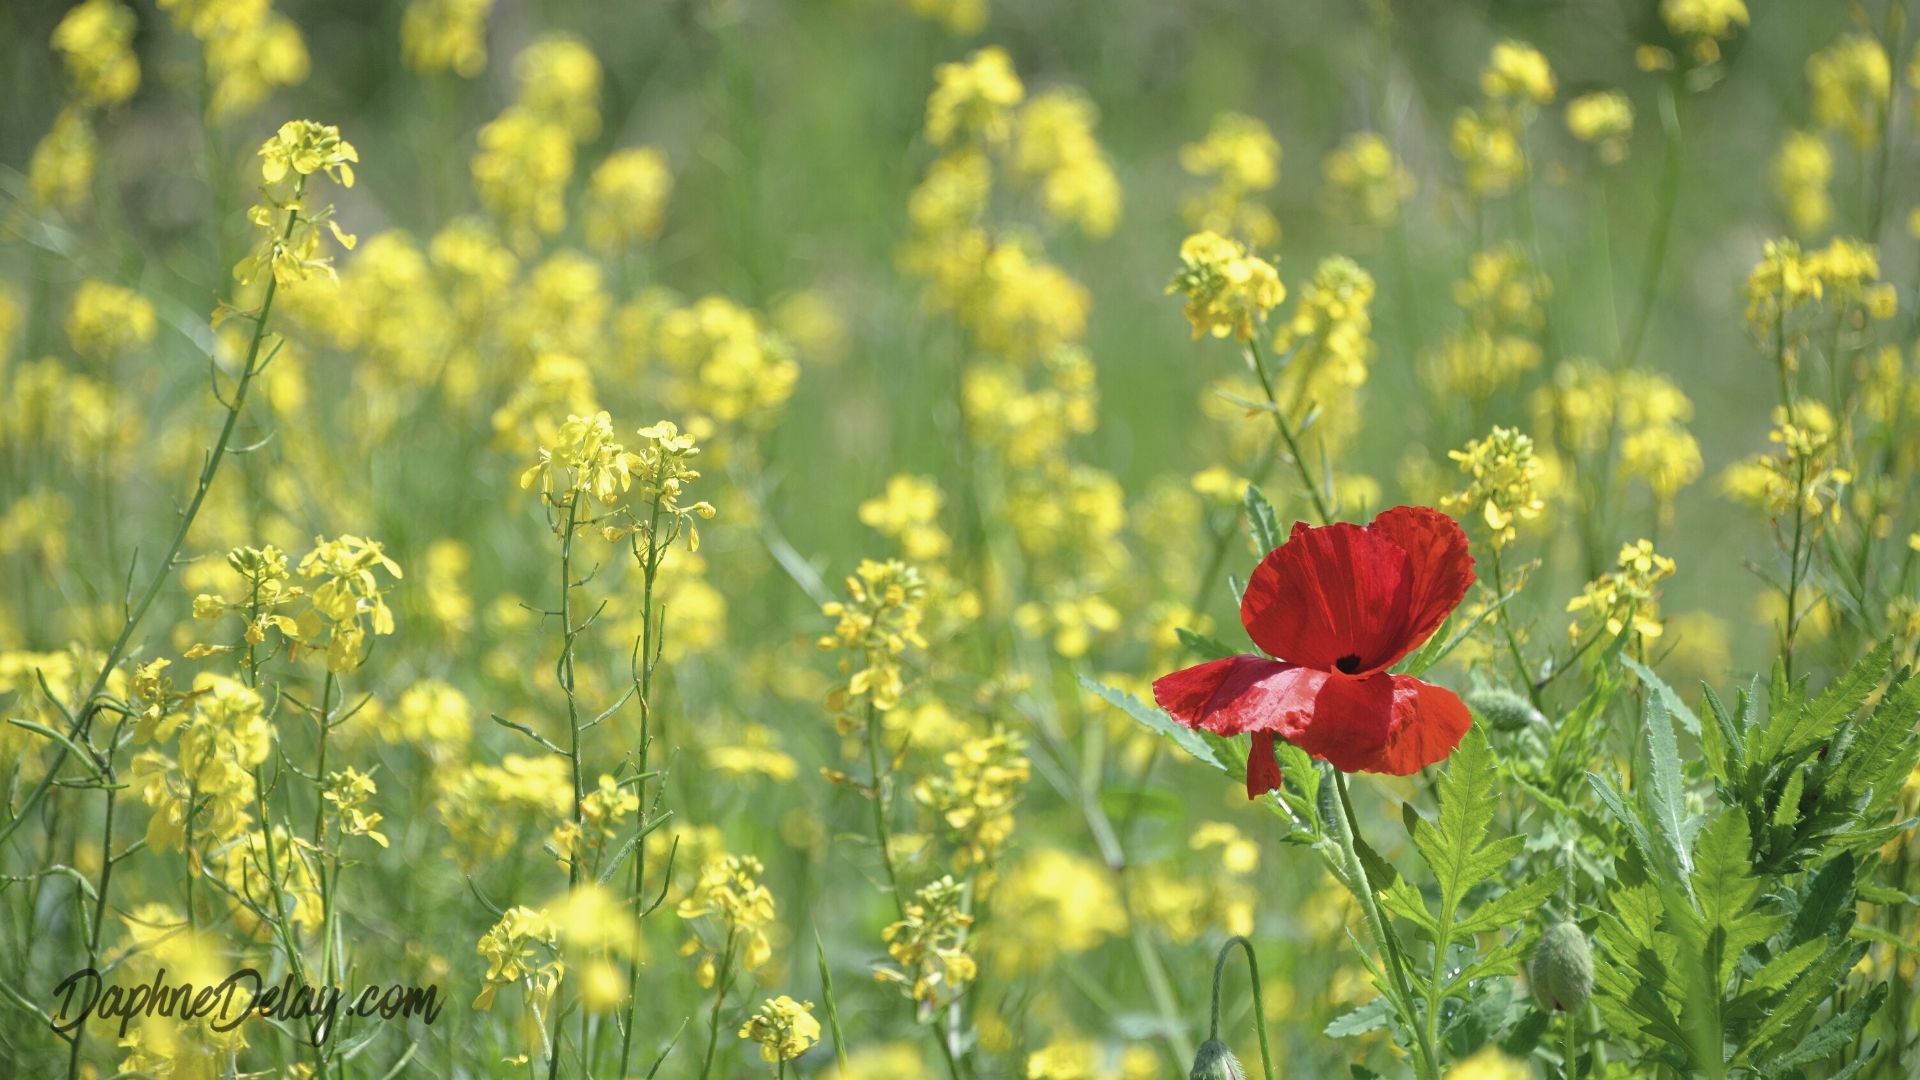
x=1426, y=1064
x=1259, y=1006
x=1285, y=431
x=1662, y=220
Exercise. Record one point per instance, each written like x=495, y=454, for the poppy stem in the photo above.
x=1259, y=1008
x=1259, y=361
x=1425, y=1064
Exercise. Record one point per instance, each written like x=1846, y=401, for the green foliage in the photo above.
x=1727, y=952
x=1465, y=899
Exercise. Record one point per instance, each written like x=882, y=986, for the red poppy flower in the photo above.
x=1337, y=606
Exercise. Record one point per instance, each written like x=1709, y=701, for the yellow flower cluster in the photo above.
x=909, y=513
x=1054, y=150
x=251, y=50
x=583, y=461
x=729, y=896
x=1503, y=476
x=1050, y=904
x=1604, y=120
x=482, y=804
x=1227, y=289
x=1328, y=343
x=349, y=602
x=929, y=945
x=1623, y=599
x=1788, y=286
x=602, y=811
x=974, y=100
x=783, y=1027
x=1504, y=300
x=1703, y=24
x=998, y=282
x=514, y=949
x=526, y=153
x=976, y=797
x=874, y=626
x=348, y=790
x=445, y=35
x=207, y=791
x=1587, y=408
x=290, y=245
x=1489, y=139
x=1802, y=173
x=106, y=322
x=726, y=363
x=1806, y=475
x=1850, y=81
x=95, y=40
x=1366, y=182
x=1240, y=159
x=60, y=172
x=627, y=199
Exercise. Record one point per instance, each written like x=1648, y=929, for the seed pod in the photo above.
x=1215, y=1062
x=1561, y=973
x=1504, y=709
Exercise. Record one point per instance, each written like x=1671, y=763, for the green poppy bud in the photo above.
x=1504, y=709
x=1561, y=973
x=1215, y=1062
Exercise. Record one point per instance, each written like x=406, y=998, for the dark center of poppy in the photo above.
x=1347, y=664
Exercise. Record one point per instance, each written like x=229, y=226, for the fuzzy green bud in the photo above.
x=1561, y=973
x=1504, y=709
x=1215, y=1062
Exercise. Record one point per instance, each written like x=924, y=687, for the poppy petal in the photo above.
x=1332, y=598
x=1442, y=569
x=1239, y=694
x=1428, y=722
x=1263, y=769
x=1349, y=721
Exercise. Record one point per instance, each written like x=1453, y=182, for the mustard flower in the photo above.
x=95, y=39
x=1851, y=80
x=784, y=1028
x=1624, y=598
x=1228, y=290
x=1365, y=181
x=1503, y=477
x=1604, y=120
x=445, y=35
x=974, y=99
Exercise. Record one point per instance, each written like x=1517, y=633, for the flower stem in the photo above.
x=1259, y=1007
x=1285, y=430
x=1426, y=1065
x=1662, y=221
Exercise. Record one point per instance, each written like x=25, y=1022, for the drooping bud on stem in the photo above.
x=1215, y=1062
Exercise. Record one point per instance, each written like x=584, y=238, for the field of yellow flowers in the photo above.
x=898, y=539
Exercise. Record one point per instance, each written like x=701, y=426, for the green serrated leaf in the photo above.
x=1158, y=722
x=1668, y=697
x=1664, y=799
x=1262, y=519
x=1204, y=647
